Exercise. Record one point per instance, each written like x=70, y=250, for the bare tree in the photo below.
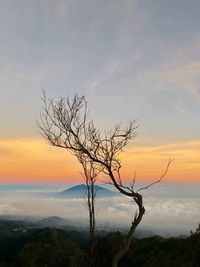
x=90, y=174
x=65, y=123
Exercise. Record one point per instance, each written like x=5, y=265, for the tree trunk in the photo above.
x=92, y=223
x=129, y=238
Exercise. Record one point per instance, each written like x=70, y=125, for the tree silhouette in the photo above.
x=90, y=174
x=65, y=123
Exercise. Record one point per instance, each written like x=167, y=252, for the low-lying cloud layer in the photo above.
x=173, y=209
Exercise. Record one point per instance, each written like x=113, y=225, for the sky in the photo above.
x=131, y=59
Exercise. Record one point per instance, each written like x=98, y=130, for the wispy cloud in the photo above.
x=184, y=77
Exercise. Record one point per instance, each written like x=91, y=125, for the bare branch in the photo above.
x=160, y=179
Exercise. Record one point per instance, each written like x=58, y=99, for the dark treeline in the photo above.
x=51, y=247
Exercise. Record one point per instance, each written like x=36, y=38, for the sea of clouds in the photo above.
x=170, y=209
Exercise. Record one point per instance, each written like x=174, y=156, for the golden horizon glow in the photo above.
x=33, y=160
x=150, y=161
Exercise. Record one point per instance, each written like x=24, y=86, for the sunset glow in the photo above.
x=33, y=160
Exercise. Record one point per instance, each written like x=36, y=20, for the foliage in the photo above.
x=57, y=248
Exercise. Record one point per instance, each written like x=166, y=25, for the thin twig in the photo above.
x=160, y=179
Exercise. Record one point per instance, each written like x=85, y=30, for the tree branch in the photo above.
x=160, y=179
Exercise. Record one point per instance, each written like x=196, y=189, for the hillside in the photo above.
x=56, y=247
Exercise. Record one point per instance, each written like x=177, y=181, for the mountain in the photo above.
x=79, y=191
x=53, y=221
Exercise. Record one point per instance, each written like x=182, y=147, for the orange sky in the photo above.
x=33, y=160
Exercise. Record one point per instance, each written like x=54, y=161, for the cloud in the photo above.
x=120, y=53
x=179, y=71
x=183, y=77
x=168, y=209
x=7, y=209
x=176, y=68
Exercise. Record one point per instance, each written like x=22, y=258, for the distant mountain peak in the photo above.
x=80, y=190
x=51, y=222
